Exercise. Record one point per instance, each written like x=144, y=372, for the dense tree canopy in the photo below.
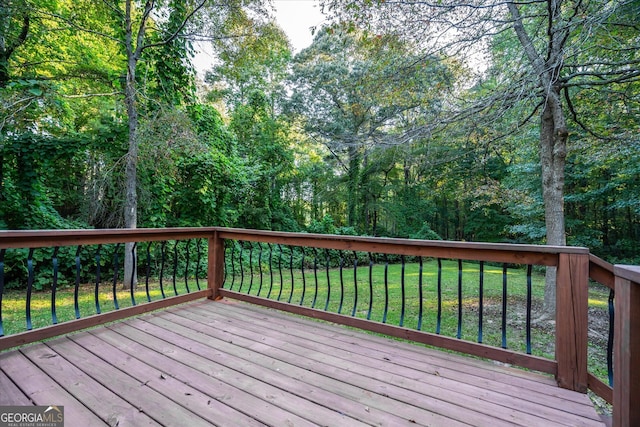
x=514, y=122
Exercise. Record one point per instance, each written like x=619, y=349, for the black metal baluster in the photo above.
x=132, y=288
x=459, y=332
x=250, y=267
x=270, y=269
x=29, y=287
x=355, y=283
x=186, y=266
x=610, y=338
x=315, y=276
x=280, y=270
x=326, y=303
x=76, y=289
x=115, y=276
x=163, y=252
x=402, y=291
x=148, y=272
x=529, y=292
x=291, y=249
x=54, y=286
x=439, y=315
x=96, y=290
x=199, y=252
x=2, y=252
x=175, y=267
x=386, y=288
x=260, y=266
x=233, y=265
x=241, y=265
x=481, y=302
x=341, y=283
x=304, y=281
x=370, y=286
x=420, y=309
x=504, y=305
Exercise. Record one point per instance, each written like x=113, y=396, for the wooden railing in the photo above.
x=575, y=266
x=23, y=258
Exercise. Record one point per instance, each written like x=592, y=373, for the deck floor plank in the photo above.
x=107, y=405
x=234, y=388
x=257, y=367
x=453, y=367
x=43, y=390
x=137, y=393
x=11, y=394
x=528, y=380
x=363, y=392
x=179, y=392
x=229, y=363
x=381, y=367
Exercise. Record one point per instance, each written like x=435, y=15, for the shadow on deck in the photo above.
x=231, y=363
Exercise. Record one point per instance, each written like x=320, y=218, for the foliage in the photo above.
x=358, y=95
x=373, y=129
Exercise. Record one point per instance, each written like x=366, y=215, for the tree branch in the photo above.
x=180, y=28
x=574, y=116
x=73, y=24
x=21, y=38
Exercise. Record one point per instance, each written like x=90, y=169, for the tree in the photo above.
x=14, y=28
x=250, y=79
x=135, y=30
x=358, y=94
x=554, y=61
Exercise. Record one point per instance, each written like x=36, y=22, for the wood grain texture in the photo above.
x=626, y=350
x=571, y=321
x=480, y=350
x=231, y=363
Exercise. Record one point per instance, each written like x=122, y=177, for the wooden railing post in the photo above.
x=215, y=265
x=571, y=321
x=626, y=350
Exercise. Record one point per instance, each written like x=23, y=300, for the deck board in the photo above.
x=230, y=363
x=379, y=366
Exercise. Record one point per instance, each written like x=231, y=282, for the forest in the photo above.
x=485, y=121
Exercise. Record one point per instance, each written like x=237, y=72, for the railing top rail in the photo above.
x=629, y=272
x=229, y=232
x=601, y=271
x=499, y=252
x=52, y=238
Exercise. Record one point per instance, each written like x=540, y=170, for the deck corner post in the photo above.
x=626, y=350
x=215, y=265
x=572, y=321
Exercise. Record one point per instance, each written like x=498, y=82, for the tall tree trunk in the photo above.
x=131, y=164
x=131, y=183
x=552, y=160
x=553, y=130
x=353, y=179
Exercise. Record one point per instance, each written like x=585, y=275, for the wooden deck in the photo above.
x=229, y=363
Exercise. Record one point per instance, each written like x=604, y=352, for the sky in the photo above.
x=295, y=17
